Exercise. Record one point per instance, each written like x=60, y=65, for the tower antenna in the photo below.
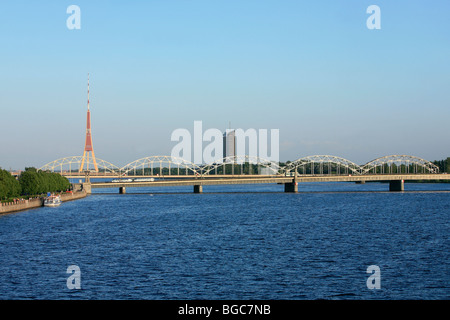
x=88, y=146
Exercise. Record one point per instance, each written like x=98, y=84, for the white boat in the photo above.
x=52, y=201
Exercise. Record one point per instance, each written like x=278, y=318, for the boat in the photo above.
x=52, y=201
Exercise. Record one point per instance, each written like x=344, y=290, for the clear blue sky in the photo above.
x=309, y=68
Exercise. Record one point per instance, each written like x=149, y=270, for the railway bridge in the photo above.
x=166, y=171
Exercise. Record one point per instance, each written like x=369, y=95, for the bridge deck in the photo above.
x=220, y=180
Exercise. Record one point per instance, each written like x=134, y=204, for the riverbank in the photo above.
x=21, y=205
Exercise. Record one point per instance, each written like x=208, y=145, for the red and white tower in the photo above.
x=88, y=146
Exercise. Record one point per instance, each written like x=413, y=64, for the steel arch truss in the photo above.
x=235, y=165
x=241, y=165
x=69, y=165
x=322, y=165
x=399, y=164
x=159, y=166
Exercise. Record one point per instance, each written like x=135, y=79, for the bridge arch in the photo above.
x=69, y=165
x=399, y=164
x=241, y=165
x=311, y=165
x=322, y=165
x=159, y=165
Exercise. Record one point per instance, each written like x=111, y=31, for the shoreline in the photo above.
x=22, y=205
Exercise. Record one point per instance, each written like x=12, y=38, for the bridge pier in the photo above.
x=291, y=187
x=397, y=185
x=122, y=190
x=198, y=188
x=86, y=187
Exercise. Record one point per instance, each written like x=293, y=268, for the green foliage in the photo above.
x=444, y=165
x=29, y=182
x=38, y=182
x=9, y=186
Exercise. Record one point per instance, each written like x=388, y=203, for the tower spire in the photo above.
x=88, y=146
x=88, y=94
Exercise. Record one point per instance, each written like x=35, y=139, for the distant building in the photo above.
x=229, y=144
x=16, y=173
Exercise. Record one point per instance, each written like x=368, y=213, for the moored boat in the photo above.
x=52, y=201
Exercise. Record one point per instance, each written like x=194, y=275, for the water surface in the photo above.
x=233, y=242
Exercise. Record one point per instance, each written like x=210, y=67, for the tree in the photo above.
x=38, y=182
x=9, y=186
x=30, y=182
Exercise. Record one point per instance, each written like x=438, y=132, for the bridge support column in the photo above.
x=397, y=185
x=198, y=188
x=86, y=187
x=86, y=176
x=291, y=187
x=122, y=190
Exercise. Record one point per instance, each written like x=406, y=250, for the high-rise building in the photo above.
x=229, y=145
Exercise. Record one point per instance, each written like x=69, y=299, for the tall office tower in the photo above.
x=229, y=145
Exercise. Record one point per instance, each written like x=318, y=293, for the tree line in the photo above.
x=31, y=182
x=444, y=165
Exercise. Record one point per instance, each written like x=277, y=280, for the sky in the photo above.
x=311, y=69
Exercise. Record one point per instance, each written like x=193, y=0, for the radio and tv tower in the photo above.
x=88, y=146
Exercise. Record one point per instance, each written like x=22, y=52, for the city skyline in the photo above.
x=312, y=70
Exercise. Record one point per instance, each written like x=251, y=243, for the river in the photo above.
x=233, y=242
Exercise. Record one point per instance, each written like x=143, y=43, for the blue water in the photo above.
x=233, y=242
